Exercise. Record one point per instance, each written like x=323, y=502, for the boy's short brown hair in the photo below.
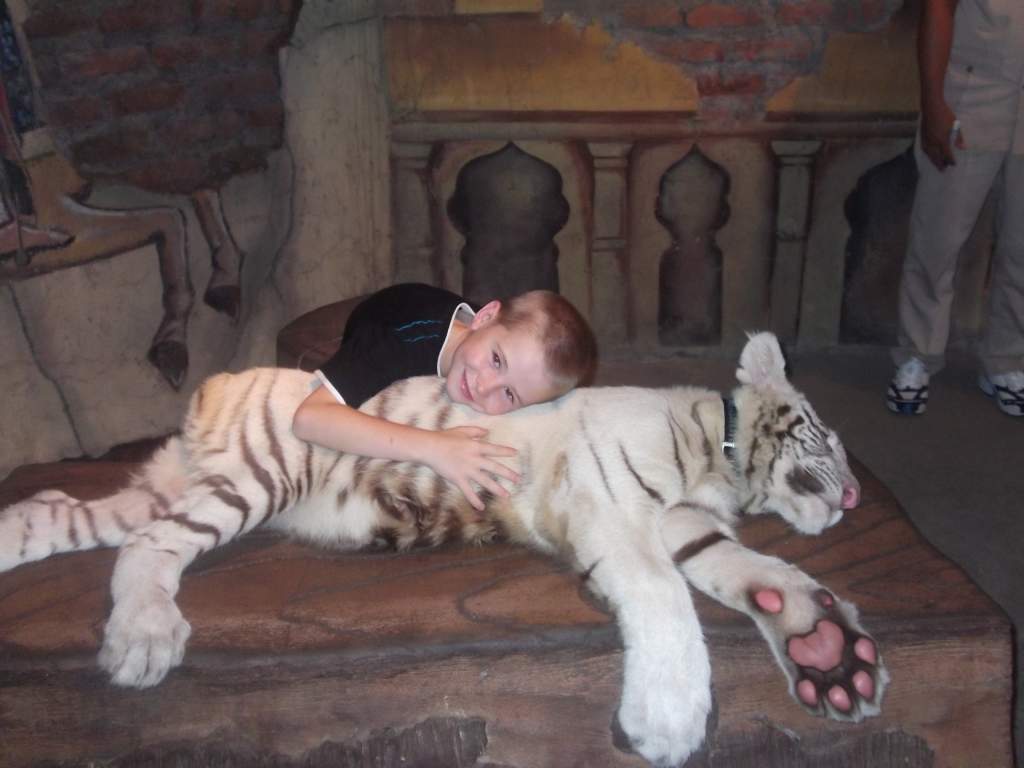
x=570, y=350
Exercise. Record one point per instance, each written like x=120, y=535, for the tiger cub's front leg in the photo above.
x=666, y=692
x=145, y=636
x=832, y=664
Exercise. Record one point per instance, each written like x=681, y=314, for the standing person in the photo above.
x=971, y=138
x=507, y=354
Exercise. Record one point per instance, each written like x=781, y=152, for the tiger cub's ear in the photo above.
x=761, y=362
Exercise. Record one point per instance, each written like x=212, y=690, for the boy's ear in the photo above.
x=487, y=313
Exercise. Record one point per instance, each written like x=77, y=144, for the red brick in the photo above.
x=187, y=131
x=56, y=22
x=150, y=97
x=215, y=92
x=720, y=15
x=775, y=49
x=652, y=14
x=145, y=16
x=229, y=122
x=870, y=12
x=87, y=65
x=805, y=12
x=265, y=115
x=75, y=112
x=720, y=84
x=238, y=10
x=184, y=52
x=248, y=10
x=260, y=42
x=262, y=138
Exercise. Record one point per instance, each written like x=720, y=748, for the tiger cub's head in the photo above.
x=793, y=463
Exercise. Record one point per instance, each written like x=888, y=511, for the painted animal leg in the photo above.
x=223, y=292
x=666, y=692
x=833, y=665
x=22, y=239
x=103, y=232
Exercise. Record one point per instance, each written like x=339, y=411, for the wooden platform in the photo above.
x=475, y=657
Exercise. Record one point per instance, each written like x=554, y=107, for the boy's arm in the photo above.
x=459, y=455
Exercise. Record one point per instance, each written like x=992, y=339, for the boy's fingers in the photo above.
x=494, y=486
x=497, y=468
x=493, y=449
x=471, y=496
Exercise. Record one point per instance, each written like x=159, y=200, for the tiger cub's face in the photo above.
x=795, y=465
x=801, y=466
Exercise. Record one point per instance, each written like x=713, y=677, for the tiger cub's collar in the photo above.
x=731, y=418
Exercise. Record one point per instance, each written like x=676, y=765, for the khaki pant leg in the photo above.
x=1002, y=345
x=946, y=206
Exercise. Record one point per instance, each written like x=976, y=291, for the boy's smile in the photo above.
x=495, y=369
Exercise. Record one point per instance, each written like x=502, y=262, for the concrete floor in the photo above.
x=957, y=470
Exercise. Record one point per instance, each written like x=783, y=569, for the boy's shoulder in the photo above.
x=416, y=298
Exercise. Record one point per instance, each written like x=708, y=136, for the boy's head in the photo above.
x=527, y=349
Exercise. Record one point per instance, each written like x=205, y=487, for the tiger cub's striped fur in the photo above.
x=629, y=484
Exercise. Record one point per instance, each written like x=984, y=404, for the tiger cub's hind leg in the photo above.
x=51, y=521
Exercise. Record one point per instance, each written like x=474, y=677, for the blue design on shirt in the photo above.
x=415, y=323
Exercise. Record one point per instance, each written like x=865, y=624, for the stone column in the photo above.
x=610, y=313
x=412, y=233
x=795, y=169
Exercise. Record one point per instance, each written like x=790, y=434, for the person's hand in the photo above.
x=461, y=456
x=937, y=136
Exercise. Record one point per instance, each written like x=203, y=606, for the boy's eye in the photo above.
x=495, y=360
x=511, y=397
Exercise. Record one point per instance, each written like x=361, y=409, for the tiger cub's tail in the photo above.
x=51, y=521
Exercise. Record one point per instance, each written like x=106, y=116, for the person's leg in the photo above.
x=946, y=206
x=1002, y=345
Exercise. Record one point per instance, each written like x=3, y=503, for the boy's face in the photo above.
x=496, y=369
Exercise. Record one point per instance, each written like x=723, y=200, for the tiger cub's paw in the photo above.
x=833, y=665
x=664, y=710
x=144, y=639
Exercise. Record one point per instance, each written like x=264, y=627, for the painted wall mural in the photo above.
x=124, y=103
x=20, y=236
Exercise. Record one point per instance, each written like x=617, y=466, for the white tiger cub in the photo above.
x=629, y=484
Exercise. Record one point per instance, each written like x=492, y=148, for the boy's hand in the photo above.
x=461, y=456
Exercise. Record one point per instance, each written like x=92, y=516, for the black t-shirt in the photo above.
x=395, y=333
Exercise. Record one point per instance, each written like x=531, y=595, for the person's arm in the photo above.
x=459, y=454
x=934, y=42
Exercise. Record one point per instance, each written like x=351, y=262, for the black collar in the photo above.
x=729, y=440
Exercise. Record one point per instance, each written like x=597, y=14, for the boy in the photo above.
x=524, y=350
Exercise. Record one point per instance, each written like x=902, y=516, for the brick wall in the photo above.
x=739, y=51
x=171, y=95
